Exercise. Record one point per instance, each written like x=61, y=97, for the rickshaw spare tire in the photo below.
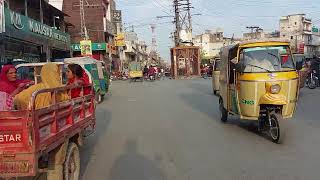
x=71, y=166
x=279, y=126
x=223, y=111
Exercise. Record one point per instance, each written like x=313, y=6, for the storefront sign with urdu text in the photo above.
x=28, y=25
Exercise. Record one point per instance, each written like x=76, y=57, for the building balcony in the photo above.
x=307, y=21
x=130, y=49
x=309, y=32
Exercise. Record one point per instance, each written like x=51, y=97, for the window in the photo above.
x=291, y=37
x=267, y=59
x=295, y=23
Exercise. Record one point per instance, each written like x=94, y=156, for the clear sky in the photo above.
x=230, y=15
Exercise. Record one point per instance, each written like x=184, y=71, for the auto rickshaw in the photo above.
x=215, y=75
x=259, y=82
x=135, y=71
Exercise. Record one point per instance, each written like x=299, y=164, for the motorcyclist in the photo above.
x=145, y=70
x=152, y=71
x=315, y=62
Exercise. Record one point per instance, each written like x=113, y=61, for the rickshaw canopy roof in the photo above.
x=257, y=43
x=36, y=64
x=80, y=60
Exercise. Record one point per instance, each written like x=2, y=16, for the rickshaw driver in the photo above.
x=257, y=65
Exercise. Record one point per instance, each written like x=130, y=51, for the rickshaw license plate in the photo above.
x=14, y=167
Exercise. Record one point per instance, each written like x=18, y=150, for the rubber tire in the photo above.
x=98, y=98
x=282, y=127
x=72, y=149
x=223, y=112
x=311, y=85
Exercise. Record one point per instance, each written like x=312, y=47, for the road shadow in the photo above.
x=103, y=118
x=201, y=101
x=201, y=86
x=307, y=107
x=208, y=104
x=248, y=125
x=132, y=165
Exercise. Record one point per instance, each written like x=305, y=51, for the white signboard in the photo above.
x=2, y=18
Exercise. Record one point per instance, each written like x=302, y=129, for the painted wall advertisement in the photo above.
x=86, y=48
x=2, y=17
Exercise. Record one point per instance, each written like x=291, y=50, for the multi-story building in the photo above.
x=314, y=44
x=95, y=17
x=210, y=43
x=101, y=28
x=33, y=30
x=134, y=50
x=260, y=34
x=298, y=30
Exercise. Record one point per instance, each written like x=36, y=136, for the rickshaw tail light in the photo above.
x=275, y=89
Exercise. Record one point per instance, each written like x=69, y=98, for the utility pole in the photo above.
x=153, y=52
x=182, y=19
x=84, y=32
x=154, y=39
x=177, y=21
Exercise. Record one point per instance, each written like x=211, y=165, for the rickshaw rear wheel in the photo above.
x=278, y=127
x=223, y=111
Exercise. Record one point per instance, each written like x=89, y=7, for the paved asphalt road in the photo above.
x=169, y=130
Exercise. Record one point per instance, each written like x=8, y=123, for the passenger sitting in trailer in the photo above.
x=77, y=76
x=10, y=86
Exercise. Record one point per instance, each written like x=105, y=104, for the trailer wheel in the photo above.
x=71, y=166
x=98, y=98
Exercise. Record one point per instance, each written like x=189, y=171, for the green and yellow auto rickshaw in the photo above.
x=259, y=82
x=135, y=71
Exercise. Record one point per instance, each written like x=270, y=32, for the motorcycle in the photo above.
x=152, y=77
x=204, y=75
x=312, y=80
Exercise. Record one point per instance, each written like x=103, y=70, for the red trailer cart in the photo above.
x=46, y=139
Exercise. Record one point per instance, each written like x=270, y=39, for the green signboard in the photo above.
x=95, y=47
x=314, y=29
x=24, y=24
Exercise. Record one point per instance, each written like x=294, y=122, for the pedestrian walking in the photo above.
x=162, y=73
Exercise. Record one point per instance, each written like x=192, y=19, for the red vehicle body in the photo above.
x=28, y=138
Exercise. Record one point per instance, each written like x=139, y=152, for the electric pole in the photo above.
x=84, y=32
x=153, y=52
x=182, y=19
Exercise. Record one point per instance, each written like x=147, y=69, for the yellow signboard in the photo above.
x=86, y=48
x=119, y=40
